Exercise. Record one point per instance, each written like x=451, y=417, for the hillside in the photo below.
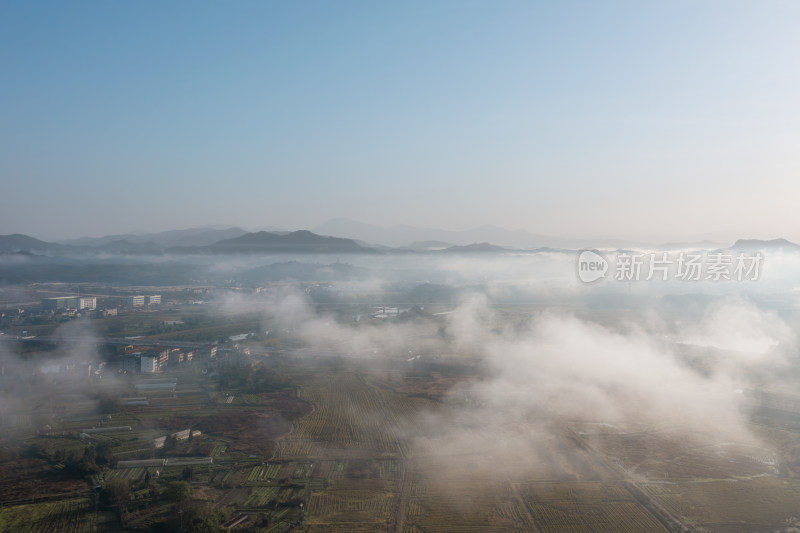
x=295, y=242
x=18, y=242
x=758, y=244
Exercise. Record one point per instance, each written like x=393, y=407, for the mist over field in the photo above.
x=394, y=390
x=614, y=355
x=361, y=267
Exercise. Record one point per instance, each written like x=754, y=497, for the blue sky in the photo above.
x=638, y=120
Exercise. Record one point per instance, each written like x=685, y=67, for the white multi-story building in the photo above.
x=87, y=302
x=149, y=364
x=154, y=299
x=135, y=300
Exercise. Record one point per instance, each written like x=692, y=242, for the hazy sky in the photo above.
x=654, y=120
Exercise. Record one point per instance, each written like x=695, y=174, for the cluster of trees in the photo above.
x=108, y=404
x=187, y=515
x=78, y=466
x=186, y=322
x=262, y=378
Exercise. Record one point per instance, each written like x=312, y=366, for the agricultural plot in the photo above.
x=602, y=507
x=15, y=422
x=218, y=449
x=331, y=470
x=665, y=457
x=261, y=496
x=28, y=479
x=258, y=473
x=51, y=445
x=468, y=505
x=759, y=504
x=70, y=516
x=302, y=470
x=248, y=399
x=349, y=419
x=131, y=474
x=559, y=458
x=343, y=461
x=236, y=497
x=347, y=528
x=351, y=507
x=346, y=454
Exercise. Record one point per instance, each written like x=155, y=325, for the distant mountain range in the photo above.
x=403, y=236
x=478, y=248
x=181, y=237
x=22, y=243
x=751, y=245
x=426, y=246
x=365, y=241
x=295, y=242
x=180, y=242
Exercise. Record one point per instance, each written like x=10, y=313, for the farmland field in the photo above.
x=68, y=515
x=602, y=507
x=734, y=506
x=335, y=445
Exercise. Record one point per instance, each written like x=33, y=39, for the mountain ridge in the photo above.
x=306, y=241
x=201, y=236
x=301, y=241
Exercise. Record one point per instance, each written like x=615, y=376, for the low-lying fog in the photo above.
x=610, y=352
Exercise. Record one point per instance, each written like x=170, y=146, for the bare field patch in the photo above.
x=759, y=504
